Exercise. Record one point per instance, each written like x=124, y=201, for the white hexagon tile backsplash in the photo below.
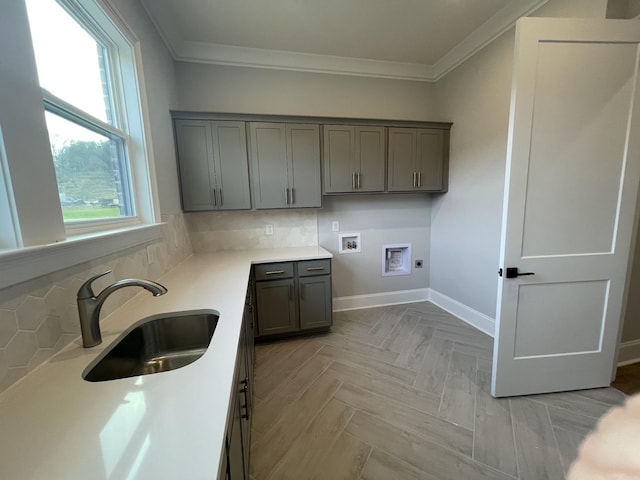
x=40, y=317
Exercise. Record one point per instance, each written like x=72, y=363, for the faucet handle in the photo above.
x=85, y=290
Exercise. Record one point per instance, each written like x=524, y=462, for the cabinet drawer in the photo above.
x=314, y=267
x=273, y=271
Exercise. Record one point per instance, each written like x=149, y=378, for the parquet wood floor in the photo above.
x=402, y=392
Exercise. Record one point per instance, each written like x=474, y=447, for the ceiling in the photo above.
x=407, y=39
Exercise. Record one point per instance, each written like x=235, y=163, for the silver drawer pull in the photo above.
x=313, y=269
x=274, y=272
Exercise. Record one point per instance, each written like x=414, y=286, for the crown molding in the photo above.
x=486, y=33
x=301, y=62
x=219, y=54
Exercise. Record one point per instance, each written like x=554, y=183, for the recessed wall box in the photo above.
x=349, y=243
x=396, y=259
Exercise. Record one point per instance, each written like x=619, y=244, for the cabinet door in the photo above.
x=276, y=307
x=429, y=159
x=315, y=301
x=235, y=468
x=303, y=149
x=231, y=168
x=195, y=160
x=339, y=155
x=402, y=171
x=243, y=383
x=370, y=155
x=269, y=182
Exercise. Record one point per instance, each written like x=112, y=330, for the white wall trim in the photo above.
x=380, y=299
x=302, y=62
x=31, y=262
x=219, y=54
x=628, y=352
x=467, y=314
x=502, y=21
x=476, y=319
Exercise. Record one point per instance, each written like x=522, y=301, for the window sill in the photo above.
x=31, y=262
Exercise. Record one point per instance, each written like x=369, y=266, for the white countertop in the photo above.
x=171, y=425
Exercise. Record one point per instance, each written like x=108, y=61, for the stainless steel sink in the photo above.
x=158, y=344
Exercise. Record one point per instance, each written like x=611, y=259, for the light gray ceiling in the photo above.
x=414, y=39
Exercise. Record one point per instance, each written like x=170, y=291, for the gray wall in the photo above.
x=380, y=220
x=217, y=88
x=466, y=222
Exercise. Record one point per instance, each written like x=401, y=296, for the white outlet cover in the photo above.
x=335, y=226
x=268, y=229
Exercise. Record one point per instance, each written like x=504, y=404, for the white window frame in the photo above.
x=21, y=261
x=125, y=104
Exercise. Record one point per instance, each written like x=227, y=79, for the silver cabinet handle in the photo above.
x=353, y=180
x=274, y=272
x=221, y=198
x=358, y=177
x=419, y=179
x=286, y=196
x=314, y=269
x=414, y=180
x=292, y=197
x=213, y=195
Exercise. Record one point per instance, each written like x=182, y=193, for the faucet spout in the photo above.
x=89, y=304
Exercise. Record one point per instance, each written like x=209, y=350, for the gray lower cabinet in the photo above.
x=285, y=165
x=353, y=158
x=315, y=301
x=293, y=297
x=235, y=460
x=212, y=159
x=417, y=160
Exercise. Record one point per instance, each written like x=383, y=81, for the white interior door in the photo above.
x=573, y=166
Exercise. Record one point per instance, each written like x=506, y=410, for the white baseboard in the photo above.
x=628, y=352
x=474, y=318
x=467, y=314
x=355, y=302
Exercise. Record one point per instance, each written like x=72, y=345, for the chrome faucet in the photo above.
x=89, y=305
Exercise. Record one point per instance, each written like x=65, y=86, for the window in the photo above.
x=86, y=71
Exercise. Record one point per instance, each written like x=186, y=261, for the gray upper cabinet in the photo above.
x=418, y=160
x=212, y=158
x=354, y=158
x=285, y=165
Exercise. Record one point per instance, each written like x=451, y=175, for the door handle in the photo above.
x=512, y=272
x=419, y=179
x=415, y=183
x=358, y=180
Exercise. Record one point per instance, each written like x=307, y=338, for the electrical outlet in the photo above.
x=335, y=226
x=418, y=263
x=268, y=229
